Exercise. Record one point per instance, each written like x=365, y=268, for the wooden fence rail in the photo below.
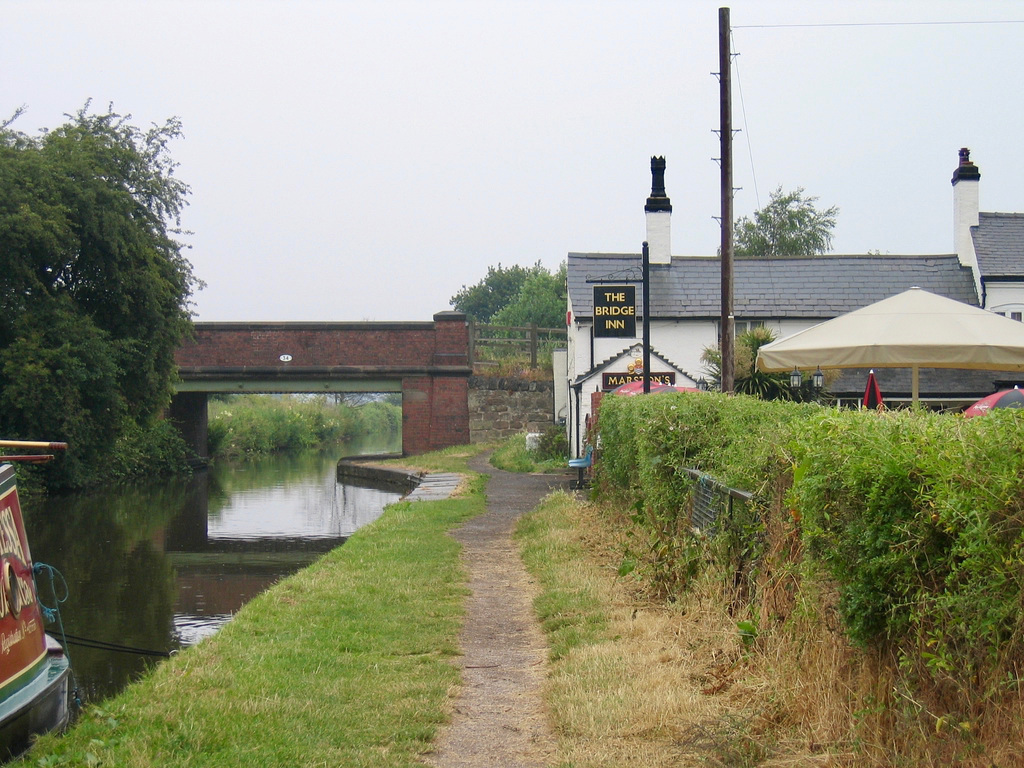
x=525, y=340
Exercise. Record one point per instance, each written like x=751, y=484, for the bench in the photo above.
x=581, y=464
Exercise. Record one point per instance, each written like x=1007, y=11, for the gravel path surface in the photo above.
x=499, y=718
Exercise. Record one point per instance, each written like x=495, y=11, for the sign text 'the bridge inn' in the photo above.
x=615, y=311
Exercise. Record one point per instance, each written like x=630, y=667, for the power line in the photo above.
x=746, y=130
x=875, y=24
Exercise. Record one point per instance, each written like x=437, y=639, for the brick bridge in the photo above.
x=426, y=361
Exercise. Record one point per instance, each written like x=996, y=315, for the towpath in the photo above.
x=499, y=717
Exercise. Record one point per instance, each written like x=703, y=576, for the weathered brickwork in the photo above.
x=430, y=359
x=500, y=407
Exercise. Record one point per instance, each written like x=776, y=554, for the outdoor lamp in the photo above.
x=702, y=384
x=795, y=378
x=818, y=379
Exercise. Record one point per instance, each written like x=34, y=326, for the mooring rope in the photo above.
x=53, y=614
x=103, y=645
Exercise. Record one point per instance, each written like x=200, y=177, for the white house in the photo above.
x=785, y=294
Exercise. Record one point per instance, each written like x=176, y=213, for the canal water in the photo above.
x=156, y=568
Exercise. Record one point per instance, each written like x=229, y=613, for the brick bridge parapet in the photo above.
x=428, y=362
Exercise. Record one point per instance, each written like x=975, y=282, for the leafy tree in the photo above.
x=94, y=291
x=790, y=225
x=541, y=300
x=749, y=380
x=483, y=300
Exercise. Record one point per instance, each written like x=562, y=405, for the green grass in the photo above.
x=569, y=608
x=346, y=663
x=513, y=456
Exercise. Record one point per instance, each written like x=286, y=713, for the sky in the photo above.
x=363, y=161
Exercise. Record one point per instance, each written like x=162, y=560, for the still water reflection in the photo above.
x=160, y=567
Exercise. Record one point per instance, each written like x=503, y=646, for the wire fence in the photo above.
x=712, y=499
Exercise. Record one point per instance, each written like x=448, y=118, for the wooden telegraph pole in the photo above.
x=725, y=90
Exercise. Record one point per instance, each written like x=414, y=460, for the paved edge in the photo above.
x=499, y=717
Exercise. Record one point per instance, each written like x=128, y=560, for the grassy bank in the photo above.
x=645, y=682
x=345, y=663
x=246, y=425
x=549, y=456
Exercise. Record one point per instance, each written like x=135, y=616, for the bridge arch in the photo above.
x=428, y=362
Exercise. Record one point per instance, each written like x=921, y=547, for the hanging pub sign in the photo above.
x=614, y=311
x=610, y=381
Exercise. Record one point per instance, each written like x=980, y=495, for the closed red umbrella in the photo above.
x=635, y=388
x=873, y=393
x=1007, y=398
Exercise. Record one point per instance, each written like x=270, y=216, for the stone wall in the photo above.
x=500, y=407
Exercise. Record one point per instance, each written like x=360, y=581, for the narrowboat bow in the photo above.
x=33, y=667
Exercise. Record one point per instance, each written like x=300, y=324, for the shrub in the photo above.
x=916, y=518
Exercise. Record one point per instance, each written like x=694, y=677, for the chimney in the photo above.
x=659, y=216
x=966, y=179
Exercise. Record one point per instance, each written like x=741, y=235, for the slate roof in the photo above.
x=808, y=287
x=999, y=244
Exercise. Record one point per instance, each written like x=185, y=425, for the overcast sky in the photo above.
x=364, y=160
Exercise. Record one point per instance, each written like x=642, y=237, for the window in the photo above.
x=740, y=326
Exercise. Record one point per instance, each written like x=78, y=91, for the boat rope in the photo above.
x=53, y=615
x=103, y=645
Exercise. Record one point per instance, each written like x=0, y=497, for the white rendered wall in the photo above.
x=965, y=216
x=682, y=342
x=1004, y=297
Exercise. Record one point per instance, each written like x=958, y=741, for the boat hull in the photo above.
x=39, y=705
x=33, y=667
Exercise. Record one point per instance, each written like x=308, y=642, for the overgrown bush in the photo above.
x=907, y=526
x=156, y=450
x=554, y=446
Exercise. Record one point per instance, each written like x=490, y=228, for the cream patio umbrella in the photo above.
x=914, y=329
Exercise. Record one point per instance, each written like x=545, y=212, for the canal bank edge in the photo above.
x=415, y=486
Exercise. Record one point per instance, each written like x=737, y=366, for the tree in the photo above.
x=790, y=225
x=748, y=379
x=483, y=300
x=541, y=300
x=89, y=214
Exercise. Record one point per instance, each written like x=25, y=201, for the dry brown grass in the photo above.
x=664, y=689
x=672, y=683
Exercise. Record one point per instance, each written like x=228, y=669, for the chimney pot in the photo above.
x=966, y=170
x=658, y=201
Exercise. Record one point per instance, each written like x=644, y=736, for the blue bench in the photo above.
x=581, y=464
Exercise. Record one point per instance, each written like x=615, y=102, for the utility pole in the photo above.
x=725, y=91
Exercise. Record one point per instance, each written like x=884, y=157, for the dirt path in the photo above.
x=499, y=717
